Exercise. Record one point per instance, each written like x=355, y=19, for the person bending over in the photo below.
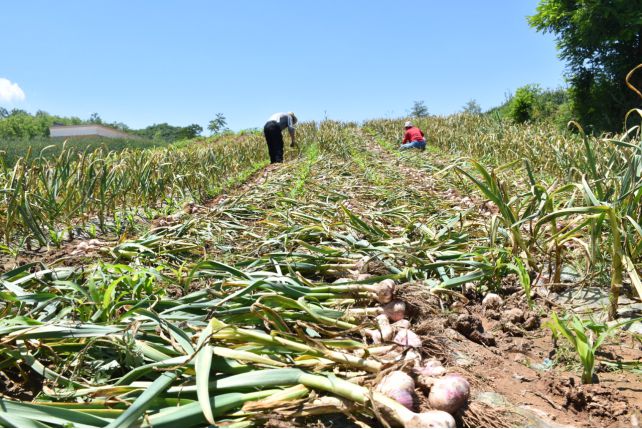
x=273, y=136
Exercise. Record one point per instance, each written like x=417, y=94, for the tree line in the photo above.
x=18, y=124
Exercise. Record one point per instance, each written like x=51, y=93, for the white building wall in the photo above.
x=71, y=131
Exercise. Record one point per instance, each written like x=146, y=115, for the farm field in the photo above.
x=13, y=149
x=193, y=286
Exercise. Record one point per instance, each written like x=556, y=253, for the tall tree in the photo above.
x=217, y=124
x=419, y=109
x=472, y=107
x=601, y=41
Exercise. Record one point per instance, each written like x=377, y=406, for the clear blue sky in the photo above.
x=143, y=62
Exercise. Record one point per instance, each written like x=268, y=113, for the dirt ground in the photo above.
x=518, y=376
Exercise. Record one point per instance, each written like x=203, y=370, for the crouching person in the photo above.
x=413, y=138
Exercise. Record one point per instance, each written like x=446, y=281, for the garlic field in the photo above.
x=489, y=281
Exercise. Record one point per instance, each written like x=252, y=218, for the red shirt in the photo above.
x=412, y=135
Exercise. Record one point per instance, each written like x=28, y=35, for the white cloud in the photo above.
x=10, y=91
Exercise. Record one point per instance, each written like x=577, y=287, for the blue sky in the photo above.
x=144, y=62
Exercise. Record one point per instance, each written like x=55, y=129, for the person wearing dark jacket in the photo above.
x=273, y=136
x=413, y=138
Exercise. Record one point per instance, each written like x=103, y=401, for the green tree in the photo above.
x=601, y=41
x=164, y=132
x=419, y=109
x=522, y=106
x=119, y=126
x=190, y=131
x=532, y=103
x=472, y=107
x=95, y=119
x=21, y=125
x=169, y=133
x=218, y=124
x=18, y=112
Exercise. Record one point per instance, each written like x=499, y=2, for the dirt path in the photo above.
x=256, y=179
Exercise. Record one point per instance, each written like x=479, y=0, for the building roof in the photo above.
x=108, y=130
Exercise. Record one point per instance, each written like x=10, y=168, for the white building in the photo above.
x=88, y=130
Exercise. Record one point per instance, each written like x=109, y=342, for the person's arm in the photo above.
x=406, y=137
x=422, y=133
x=291, y=130
x=292, y=137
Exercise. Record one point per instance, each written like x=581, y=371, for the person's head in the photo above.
x=294, y=118
x=407, y=125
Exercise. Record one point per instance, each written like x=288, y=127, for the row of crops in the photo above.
x=13, y=149
x=48, y=198
x=165, y=336
x=274, y=302
x=585, y=189
x=555, y=193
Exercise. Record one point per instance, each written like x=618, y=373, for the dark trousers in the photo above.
x=274, y=140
